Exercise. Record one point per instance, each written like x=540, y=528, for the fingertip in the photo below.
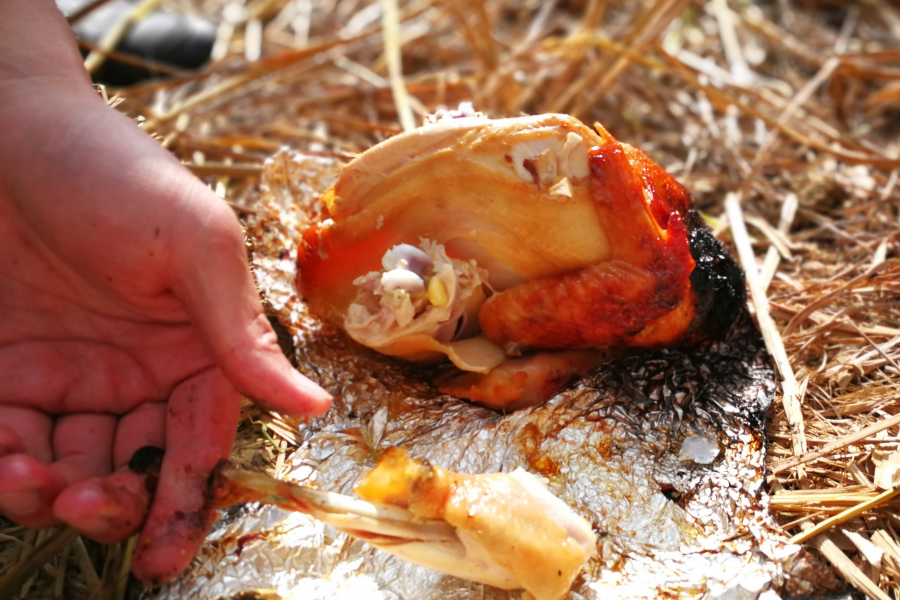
x=259, y=370
x=168, y=543
x=21, y=504
x=312, y=399
x=27, y=491
x=87, y=507
x=10, y=442
x=106, y=510
x=289, y=392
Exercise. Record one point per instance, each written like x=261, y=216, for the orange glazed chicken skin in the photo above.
x=476, y=240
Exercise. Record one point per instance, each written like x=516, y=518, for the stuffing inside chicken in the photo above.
x=423, y=305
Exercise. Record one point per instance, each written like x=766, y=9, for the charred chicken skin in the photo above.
x=478, y=239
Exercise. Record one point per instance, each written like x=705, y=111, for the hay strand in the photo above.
x=792, y=391
x=835, y=445
x=117, y=33
x=393, y=53
x=13, y=580
x=844, y=516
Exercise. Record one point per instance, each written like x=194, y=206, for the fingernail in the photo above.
x=21, y=503
x=98, y=501
x=89, y=510
x=312, y=388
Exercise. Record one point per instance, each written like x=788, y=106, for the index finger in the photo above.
x=215, y=284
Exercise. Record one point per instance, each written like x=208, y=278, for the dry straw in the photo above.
x=790, y=105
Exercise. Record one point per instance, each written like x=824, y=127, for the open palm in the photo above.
x=128, y=318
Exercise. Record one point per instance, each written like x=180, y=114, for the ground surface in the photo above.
x=788, y=105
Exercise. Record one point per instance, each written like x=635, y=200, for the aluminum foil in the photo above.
x=662, y=452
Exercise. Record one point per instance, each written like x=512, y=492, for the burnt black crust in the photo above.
x=717, y=282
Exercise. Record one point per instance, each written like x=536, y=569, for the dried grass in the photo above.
x=791, y=105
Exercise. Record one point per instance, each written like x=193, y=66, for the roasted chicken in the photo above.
x=503, y=529
x=515, y=532
x=479, y=240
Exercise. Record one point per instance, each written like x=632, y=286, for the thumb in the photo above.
x=215, y=284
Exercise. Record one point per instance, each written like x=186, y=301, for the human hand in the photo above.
x=128, y=318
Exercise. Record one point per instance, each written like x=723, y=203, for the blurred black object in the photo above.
x=177, y=40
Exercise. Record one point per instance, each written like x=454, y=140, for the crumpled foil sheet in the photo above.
x=662, y=452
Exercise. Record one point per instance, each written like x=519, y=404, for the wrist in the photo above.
x=37, y=48
x=40, y=68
